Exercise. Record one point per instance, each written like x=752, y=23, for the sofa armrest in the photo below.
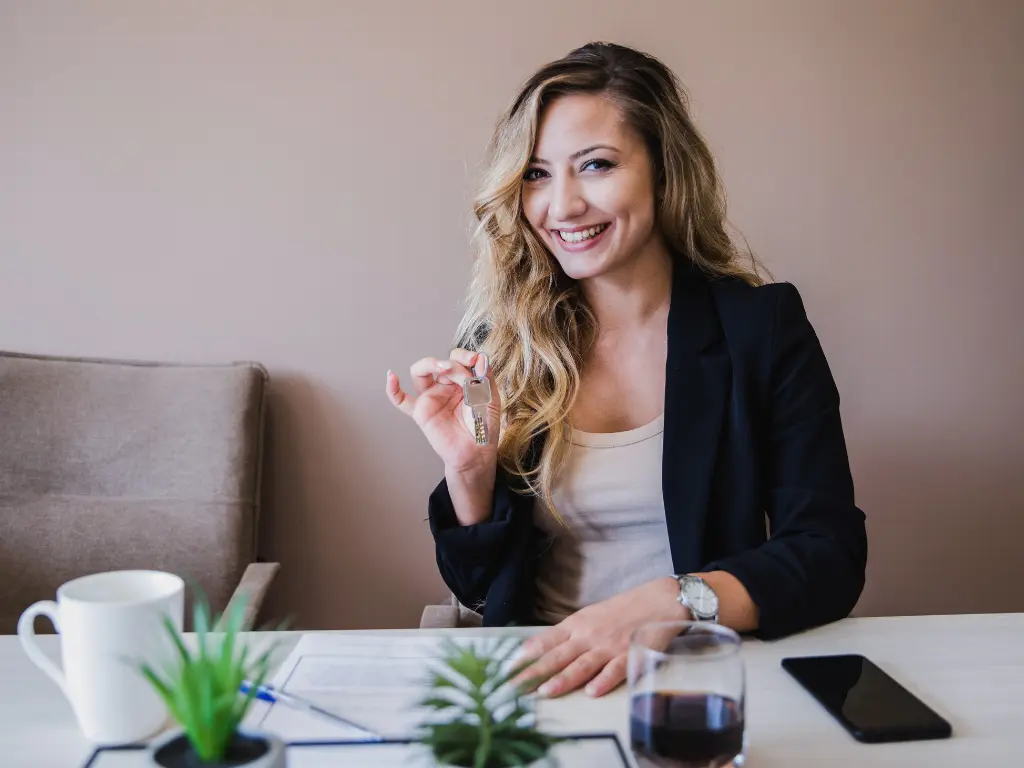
x=449, y=615
x=439, y=617
x=253, y=589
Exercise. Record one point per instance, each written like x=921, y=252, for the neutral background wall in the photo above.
x=289, y=182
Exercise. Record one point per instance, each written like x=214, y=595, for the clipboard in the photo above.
x=584, y=750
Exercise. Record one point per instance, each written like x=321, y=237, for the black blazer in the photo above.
x=752, y=430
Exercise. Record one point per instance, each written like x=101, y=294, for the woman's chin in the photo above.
x=583, y=266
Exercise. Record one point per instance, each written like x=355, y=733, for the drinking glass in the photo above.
x=686, y=695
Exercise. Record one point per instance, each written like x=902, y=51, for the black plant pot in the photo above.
x=246, y=750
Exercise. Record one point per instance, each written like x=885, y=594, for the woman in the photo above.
x=658, y=410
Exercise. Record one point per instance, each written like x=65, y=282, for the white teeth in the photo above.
x=581, y=235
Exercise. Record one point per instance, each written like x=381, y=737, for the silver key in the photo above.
x=476, y=393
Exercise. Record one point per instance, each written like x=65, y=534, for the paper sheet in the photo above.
x=372, y=681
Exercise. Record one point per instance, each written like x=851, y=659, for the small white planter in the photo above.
x=174, y=751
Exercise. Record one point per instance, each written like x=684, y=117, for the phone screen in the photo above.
x=868, y=702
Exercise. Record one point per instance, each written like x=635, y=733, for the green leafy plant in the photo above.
x=202, y=688
x=480, y=718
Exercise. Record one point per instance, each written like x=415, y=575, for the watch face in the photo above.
x=702, y=599
x=477, y=392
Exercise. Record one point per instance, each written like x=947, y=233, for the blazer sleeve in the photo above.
x=811, y=570
x=470, y=557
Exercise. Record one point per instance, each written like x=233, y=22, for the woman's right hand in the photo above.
x=439, y=412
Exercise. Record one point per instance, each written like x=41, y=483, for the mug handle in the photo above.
x=27, y=635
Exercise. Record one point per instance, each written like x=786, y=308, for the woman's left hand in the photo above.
x=590, y=647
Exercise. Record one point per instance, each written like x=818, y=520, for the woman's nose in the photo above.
x=567, y=201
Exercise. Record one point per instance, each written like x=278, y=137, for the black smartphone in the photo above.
x=865, y=700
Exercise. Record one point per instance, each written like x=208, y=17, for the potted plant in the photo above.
x=479, y=718
x=202, y=691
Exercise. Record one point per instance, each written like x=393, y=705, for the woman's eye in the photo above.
x=534, y=174
x=597, y=164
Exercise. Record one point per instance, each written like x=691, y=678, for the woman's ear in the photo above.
x=660, y=180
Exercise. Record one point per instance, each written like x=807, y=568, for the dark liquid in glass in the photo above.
x=685, y=730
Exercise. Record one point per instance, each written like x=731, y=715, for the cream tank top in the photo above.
x=614, y=535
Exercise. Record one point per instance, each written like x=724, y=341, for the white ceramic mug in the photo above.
x=109, y=623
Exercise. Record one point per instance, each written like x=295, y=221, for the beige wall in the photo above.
x=289, y=182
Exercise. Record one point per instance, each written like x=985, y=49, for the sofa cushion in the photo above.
x=110, y=464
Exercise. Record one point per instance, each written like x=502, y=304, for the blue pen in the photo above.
x=274, y=696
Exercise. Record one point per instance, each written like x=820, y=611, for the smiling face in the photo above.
x=589, y=190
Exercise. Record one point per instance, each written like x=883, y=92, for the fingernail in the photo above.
x=547, y=689
x=591, y=690
x=443, y=365
x=444, y=380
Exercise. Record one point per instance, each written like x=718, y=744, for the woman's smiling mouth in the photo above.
x=581, y=238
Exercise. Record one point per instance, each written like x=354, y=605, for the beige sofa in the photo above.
x=108, y=464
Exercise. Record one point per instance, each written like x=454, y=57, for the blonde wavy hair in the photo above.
x=521, y=309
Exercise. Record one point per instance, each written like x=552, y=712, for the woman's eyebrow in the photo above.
x=577, y=155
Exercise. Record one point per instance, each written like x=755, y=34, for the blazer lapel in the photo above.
x=696, y=390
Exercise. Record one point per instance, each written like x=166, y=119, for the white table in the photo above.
x=968, y=668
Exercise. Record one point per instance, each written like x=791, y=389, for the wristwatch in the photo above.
x=698, y=596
